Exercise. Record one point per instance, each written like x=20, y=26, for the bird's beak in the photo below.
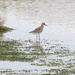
x=45, y=25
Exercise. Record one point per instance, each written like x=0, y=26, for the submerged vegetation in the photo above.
x=45, y=53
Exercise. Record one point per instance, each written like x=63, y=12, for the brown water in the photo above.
x=58, y=56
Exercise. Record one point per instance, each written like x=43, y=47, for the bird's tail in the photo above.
x=30, y=32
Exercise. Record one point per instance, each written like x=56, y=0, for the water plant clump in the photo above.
x=2, y=22
x=3, y=28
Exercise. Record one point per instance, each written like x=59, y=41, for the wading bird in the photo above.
x=38, y=30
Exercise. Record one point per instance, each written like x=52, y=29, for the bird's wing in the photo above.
x=35, y=30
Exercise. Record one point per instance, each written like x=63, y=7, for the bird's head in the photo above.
x=43, y=24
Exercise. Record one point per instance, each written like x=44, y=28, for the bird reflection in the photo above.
x=37, y=47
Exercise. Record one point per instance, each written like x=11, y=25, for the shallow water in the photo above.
x=55, y=54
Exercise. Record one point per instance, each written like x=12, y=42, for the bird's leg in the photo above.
x=39, y=37
x=36, y=38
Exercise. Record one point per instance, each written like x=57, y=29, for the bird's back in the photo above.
x=37, y=30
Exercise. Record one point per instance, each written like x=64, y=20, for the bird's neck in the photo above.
x=42, y=26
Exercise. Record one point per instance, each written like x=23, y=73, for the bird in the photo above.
x=38, y=30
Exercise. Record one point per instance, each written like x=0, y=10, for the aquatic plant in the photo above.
x=3, y=29
x=2, y=21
